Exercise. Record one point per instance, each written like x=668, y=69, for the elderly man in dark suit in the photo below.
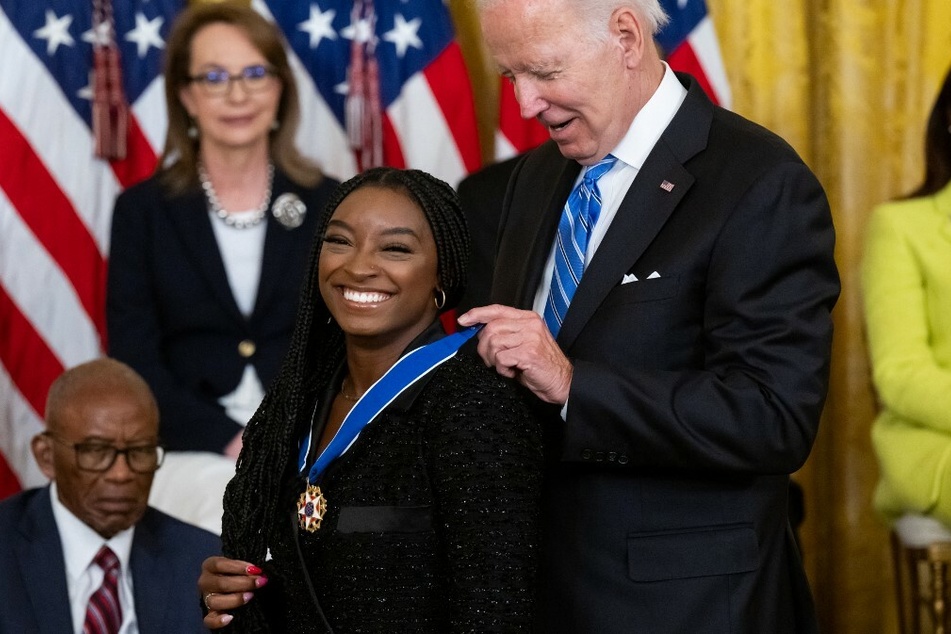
x=86, y=553
x=664, y=282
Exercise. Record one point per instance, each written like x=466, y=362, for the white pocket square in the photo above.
x=630, y=277
x=653, y=276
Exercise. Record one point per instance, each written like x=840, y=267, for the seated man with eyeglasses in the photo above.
x=87, y=553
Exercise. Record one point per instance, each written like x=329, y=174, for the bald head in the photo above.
x=93, y=412
x=102, y=376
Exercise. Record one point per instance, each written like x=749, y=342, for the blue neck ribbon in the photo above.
x=410, y=368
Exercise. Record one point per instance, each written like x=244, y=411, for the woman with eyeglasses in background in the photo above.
x=208, y=255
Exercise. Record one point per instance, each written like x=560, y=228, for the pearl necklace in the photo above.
x=249, y=220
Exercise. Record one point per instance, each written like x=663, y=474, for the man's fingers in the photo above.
x=490, y=313
x=518, y=344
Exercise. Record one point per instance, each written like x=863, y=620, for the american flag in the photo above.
x=425, y=97
x=56, y=197
x=690, y=45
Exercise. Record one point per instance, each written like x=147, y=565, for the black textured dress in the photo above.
x=431, y=522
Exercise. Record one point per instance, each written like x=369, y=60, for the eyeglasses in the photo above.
x=217, y=82
x=99, y=457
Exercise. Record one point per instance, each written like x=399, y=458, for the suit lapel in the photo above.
x=547, y=228
x=189, y=217
x=644, y=210
x=278, y=255
x=531, y=227
x=151, y=576
x=642, y=214
x=42, y=566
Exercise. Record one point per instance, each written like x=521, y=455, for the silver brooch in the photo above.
x=289, y=210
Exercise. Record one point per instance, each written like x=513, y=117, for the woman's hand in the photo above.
x=226, y=584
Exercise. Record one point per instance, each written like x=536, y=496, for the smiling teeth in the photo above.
x=364, y=298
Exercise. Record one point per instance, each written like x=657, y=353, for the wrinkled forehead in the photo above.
x=106, y=412
x=524, y=40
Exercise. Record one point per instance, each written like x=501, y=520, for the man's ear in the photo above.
x=42, y=446
x=629, y=28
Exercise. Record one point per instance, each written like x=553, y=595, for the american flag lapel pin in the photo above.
x=667, y=186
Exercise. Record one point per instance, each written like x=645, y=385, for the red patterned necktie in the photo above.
x=103, y=615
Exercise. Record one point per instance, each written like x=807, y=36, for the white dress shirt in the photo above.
x=83, y=576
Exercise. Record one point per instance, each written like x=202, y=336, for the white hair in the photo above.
x=596, y=12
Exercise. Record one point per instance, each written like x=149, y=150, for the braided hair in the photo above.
x=254, y=501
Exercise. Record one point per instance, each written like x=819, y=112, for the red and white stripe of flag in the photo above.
x=55, y=209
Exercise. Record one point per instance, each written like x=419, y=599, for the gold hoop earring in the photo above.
x=440, y=299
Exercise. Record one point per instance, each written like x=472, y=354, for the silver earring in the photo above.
x=275, y=125
x=440, y=299
x=192, y=131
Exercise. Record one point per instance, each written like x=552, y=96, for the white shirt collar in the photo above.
x=651, y=121
x=81, y=543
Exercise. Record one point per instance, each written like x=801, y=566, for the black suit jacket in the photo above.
x=171, y=314
x=481, y=195
x=697, y=388
x=165, y=562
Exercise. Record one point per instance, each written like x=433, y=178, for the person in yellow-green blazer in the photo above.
x=906, y=277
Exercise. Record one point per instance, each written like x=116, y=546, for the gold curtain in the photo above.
x=849, y=84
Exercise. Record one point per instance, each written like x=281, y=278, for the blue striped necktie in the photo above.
x=577, y=220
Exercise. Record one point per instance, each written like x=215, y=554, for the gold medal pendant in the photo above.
x=311, y=508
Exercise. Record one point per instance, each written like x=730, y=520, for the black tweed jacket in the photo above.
x=431, y=523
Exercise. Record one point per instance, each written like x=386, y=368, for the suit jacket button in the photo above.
x=622, y=459
x=599, y=457
x=586, y=454
x=247, y=348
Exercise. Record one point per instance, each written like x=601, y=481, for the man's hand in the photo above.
x=519, y=345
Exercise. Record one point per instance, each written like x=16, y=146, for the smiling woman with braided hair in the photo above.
x=386, y=483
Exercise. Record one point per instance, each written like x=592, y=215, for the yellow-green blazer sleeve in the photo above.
x=906, y=281
x=906, y=276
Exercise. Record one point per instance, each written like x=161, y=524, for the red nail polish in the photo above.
x=253, y=570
